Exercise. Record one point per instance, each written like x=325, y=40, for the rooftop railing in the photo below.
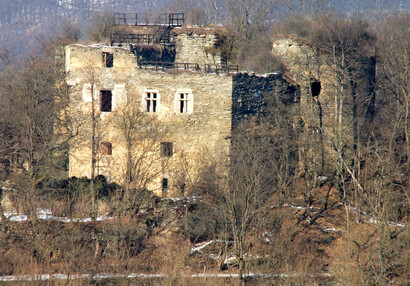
x=146, y=19
x=163, y=38
x=172, y=66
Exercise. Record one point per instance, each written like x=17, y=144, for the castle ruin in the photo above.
x=166, y=71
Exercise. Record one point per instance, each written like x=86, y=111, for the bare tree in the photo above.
x=141, y=135
x=248, y=18
x=33, y=98
x=99, y=29
x=394, y=50
x=252, y=183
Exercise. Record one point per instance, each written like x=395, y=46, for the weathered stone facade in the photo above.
x=205, y=126
x=191, y=45
x=325, y=92
x=251, y=92
x=198, y=110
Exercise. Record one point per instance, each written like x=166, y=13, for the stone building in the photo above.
x=185, y=90
x=333, y=102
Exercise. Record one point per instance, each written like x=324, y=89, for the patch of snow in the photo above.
x=104, y=217
x=43, y=212
x=230, y=259
x=46, y=214
x=63, y=219
x=327, y=230
x=18, y=218
x=201, y=245
x=9, y=214
x=298, y=207
x=268, y=74
x=371, y=219
x=100, y=276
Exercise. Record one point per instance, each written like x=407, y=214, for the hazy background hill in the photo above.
x=24, y=23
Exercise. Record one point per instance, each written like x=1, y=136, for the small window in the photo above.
x=108, y=60
x=151, y=101
x=164, y=187
x=167, y=149
x=106, y=100
x=315, y=87
x=106, y=148
x=184, y=102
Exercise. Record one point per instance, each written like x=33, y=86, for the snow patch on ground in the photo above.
x=46, y=214
x=100, y=276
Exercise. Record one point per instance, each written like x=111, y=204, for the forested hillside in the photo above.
x=319, y=196
x=22, y=23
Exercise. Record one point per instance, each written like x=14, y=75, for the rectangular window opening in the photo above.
x=151, y=101
x=167, y=149
x=108, y=59
x=315, y=88
x=184, y=101
x=106, y=100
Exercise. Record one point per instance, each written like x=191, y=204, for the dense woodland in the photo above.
x=343, y=221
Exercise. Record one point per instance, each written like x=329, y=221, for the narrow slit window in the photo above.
x=151, y=101
x=106, y=100
x=108, y=60
x=106, y=148
x=167, y=149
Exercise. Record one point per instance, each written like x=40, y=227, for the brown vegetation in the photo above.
x=279, y=211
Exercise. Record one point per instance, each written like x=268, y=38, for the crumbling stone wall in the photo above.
x=192, y=45
x=219, y=101
x=250, y=93
x=317, y=78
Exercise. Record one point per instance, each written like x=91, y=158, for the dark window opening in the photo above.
x=167, y=149
x=108, y=60
x=315, y=87
x=106, y=148
x=154, y=106
x=184, y=103
x=164, y=186
x=181, y=107
x=106, y=100
x=148, y=105
x=151, y=101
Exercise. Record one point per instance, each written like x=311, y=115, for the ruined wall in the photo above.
x=204, y=129
x=303, y=66
x=321, y=83
x=186, y=44
x=191, y=45
x=251, y=92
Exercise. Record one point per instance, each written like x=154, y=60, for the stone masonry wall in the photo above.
x=250, y=93
x=191, y=48
x=206, y=129
x=305, y=66
x=218, y=102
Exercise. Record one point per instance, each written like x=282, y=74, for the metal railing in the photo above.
x=146, y=19
x=216, y=68
x=159, y=38
x=163, y=66
x=206, y=68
